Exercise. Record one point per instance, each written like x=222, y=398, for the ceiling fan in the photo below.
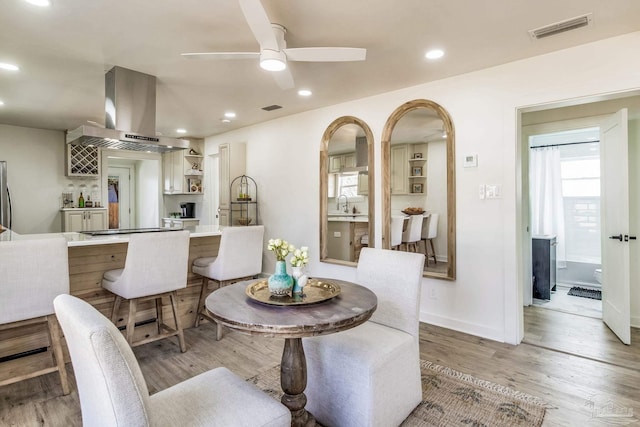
x=274, y=54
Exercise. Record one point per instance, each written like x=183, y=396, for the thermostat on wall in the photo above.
x=470, y=161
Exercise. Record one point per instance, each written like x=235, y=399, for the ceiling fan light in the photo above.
x=272, y=60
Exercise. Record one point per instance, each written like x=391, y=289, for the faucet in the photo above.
x=346, y=203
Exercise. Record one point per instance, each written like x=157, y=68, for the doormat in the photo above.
x=452, y=398
x=585, y=293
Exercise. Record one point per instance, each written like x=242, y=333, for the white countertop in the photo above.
x=349, y=218
x=79, y=239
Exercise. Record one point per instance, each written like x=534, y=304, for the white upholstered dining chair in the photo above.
x=32, y=274
x=113, y=391
x=370, y=375
x=156, y=266
x=239, y=258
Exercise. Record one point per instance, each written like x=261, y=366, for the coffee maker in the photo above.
x=188, y=210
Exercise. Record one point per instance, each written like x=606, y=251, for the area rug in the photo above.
x=585, y=293
x=452, y=398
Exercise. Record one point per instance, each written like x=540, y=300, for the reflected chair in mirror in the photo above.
x=397, y=222
x=430, y=232
x=113, y=392
x=156, y=266
x=411, y=235
x=370, y=375
x=32, y=274
x=239, y=258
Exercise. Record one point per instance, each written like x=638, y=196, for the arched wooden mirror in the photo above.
x=346, y=204
x=418, y=174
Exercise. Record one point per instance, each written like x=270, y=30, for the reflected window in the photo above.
x=348, y=184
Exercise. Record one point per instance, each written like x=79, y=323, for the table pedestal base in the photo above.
x=293, y=379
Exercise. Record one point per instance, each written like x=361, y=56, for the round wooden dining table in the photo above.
x=231, y=306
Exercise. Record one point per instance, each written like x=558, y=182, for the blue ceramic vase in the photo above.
x=280, y=283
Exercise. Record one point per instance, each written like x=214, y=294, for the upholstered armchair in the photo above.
x=370, y=375
x=113, y=391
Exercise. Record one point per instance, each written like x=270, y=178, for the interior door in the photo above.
x=616, y=310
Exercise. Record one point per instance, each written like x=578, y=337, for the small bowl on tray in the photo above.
x=413, y=212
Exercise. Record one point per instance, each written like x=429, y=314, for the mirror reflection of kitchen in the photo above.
x=419, y=183
x=348, y=193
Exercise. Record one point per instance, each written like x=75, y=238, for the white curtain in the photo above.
x=545, y=186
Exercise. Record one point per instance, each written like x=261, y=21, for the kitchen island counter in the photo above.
x=81, y=239
x=89, y=258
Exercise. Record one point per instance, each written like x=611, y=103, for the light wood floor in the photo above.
x=567, y=382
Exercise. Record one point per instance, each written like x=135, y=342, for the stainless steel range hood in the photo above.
x=130, y=120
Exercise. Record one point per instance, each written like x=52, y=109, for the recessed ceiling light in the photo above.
x=169, y=146
x=9, y=67
x=230, y=114
x=42, y=3
x=434, y=54
x=304, y=92
x=1, y=102
x=225, y=121
x=181, y=130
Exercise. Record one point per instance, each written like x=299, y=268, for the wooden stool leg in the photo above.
x=116, y=309
x=435, y=261
x=159, y=317
x=173, y=296
x=203, y=294
x=56, y=345
x=131, y=320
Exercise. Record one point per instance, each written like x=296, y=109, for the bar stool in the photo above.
x=411, y=236
x=32, y=274
x=239, y=258
x=430, y=232
x=397, y=222
x=156, y=266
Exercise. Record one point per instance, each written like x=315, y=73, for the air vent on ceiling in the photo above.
x=271, y=107
x=562, y=26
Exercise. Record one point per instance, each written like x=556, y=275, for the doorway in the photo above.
x=564, y=200
x=120, y=190
x=583, y=114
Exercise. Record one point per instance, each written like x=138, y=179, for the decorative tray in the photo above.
x=314, y=292
x=413, y=212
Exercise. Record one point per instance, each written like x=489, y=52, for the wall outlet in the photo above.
x=337, y=234
x=433, y=294
x=481, y=191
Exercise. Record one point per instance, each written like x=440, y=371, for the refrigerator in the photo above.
x=5, y=199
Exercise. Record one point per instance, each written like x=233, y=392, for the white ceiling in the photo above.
x=64, y=51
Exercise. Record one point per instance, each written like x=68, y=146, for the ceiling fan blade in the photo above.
x=326, y=54
x=283, y=78
x=221, y=55
x=259, y=23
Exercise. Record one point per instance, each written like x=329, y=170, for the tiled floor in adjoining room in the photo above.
x=571, y=304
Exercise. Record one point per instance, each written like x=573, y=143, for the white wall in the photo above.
x=485, y=300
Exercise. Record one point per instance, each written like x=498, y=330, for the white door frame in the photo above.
x=126, y=195
x=523, y=236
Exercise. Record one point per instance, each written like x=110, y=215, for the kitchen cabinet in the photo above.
x=341, y=161
x=77, y=219
x=183, y=170
x=400, y=169
x=172, y=167
x=363, y=183
x=232, y=163
x=82, y=161
x=180, y=222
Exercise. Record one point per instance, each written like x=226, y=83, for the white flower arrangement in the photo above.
x=281, y=248
x=300, y=257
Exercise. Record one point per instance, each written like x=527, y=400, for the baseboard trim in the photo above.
x=464, y=327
